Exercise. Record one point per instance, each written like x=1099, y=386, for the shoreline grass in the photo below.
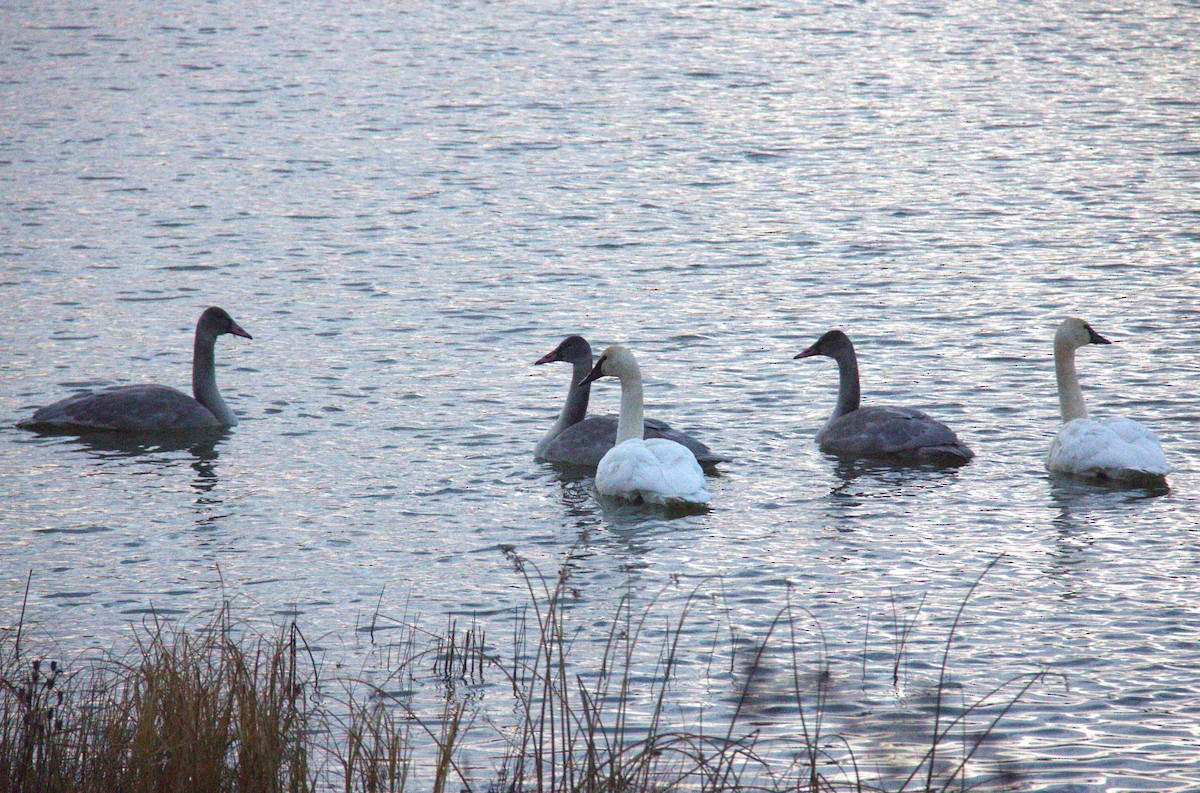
x=218, y=707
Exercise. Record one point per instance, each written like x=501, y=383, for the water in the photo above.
x=407, y=205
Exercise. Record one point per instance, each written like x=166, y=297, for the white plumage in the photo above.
x=1115, y=449
x=656, y=470
x=1120, y=449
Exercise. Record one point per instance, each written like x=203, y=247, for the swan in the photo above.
x=1119, y=448
x=655, y=470
x=579, y=439
x=151, y=408
x=879, y=430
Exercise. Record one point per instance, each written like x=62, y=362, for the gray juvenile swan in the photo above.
x=151, y=408
x=579, y=439
x=879, y=430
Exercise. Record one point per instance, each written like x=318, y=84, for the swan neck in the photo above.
x=576, y=405
x=849, y=396
x=204, y=378
x=1070, y=395
x=574, y=408
x=631, y=423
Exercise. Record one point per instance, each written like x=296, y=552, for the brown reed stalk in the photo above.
x=217, y=708
x=193, y=710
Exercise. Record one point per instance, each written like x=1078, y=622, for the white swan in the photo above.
x=151, y=408
x=1119, y=448
x=582, y=440
x=655, y=470
x=879, y=430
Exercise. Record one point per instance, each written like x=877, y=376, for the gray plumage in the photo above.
x=151, y=408
x=582, y=440
x=879, y=430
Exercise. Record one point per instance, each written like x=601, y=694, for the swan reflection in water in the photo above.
x=1074, y=502
x=888, y=475
x=157, y=450
x=575, y=492
x=1074, y=499
x=587, y=510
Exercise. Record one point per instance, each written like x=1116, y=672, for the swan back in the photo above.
x=585, y=443
x=1119, y=449
x=889, y=431
x=134, y=408
x=657, y=471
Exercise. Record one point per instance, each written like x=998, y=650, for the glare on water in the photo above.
x=409, y=205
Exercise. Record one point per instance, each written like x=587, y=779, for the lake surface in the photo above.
x=407, y=204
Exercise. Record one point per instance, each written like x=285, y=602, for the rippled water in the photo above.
x=407, y=204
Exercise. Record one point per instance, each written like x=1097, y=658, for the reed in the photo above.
x=187, y=709
x=218, y=707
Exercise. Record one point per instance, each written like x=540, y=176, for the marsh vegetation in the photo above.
x=221, y=706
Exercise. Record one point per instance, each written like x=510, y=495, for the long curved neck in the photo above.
x=849, y=396
x=574, y=409
x=631, y=422
x=1070, y=395
x=204, y=379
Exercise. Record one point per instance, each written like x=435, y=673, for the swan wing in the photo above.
x=656, y=470
x=1140, y=437
x=135, y=408
x=583, y=443
x=586, y=442
x=1117, y=449
x=885, y=430
x=704, y=455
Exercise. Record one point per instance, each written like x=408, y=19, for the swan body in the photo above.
x=582, y=440
x=879, y=430
x=657, y=470
x=151, y=408
x=1119, y=449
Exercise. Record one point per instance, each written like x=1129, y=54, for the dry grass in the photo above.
x=188, y=710
x=217, y=708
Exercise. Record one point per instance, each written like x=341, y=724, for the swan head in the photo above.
x=833, y=344
x=615, y=361
x=1073, y=333
x=216, y=321
x=572, y=349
